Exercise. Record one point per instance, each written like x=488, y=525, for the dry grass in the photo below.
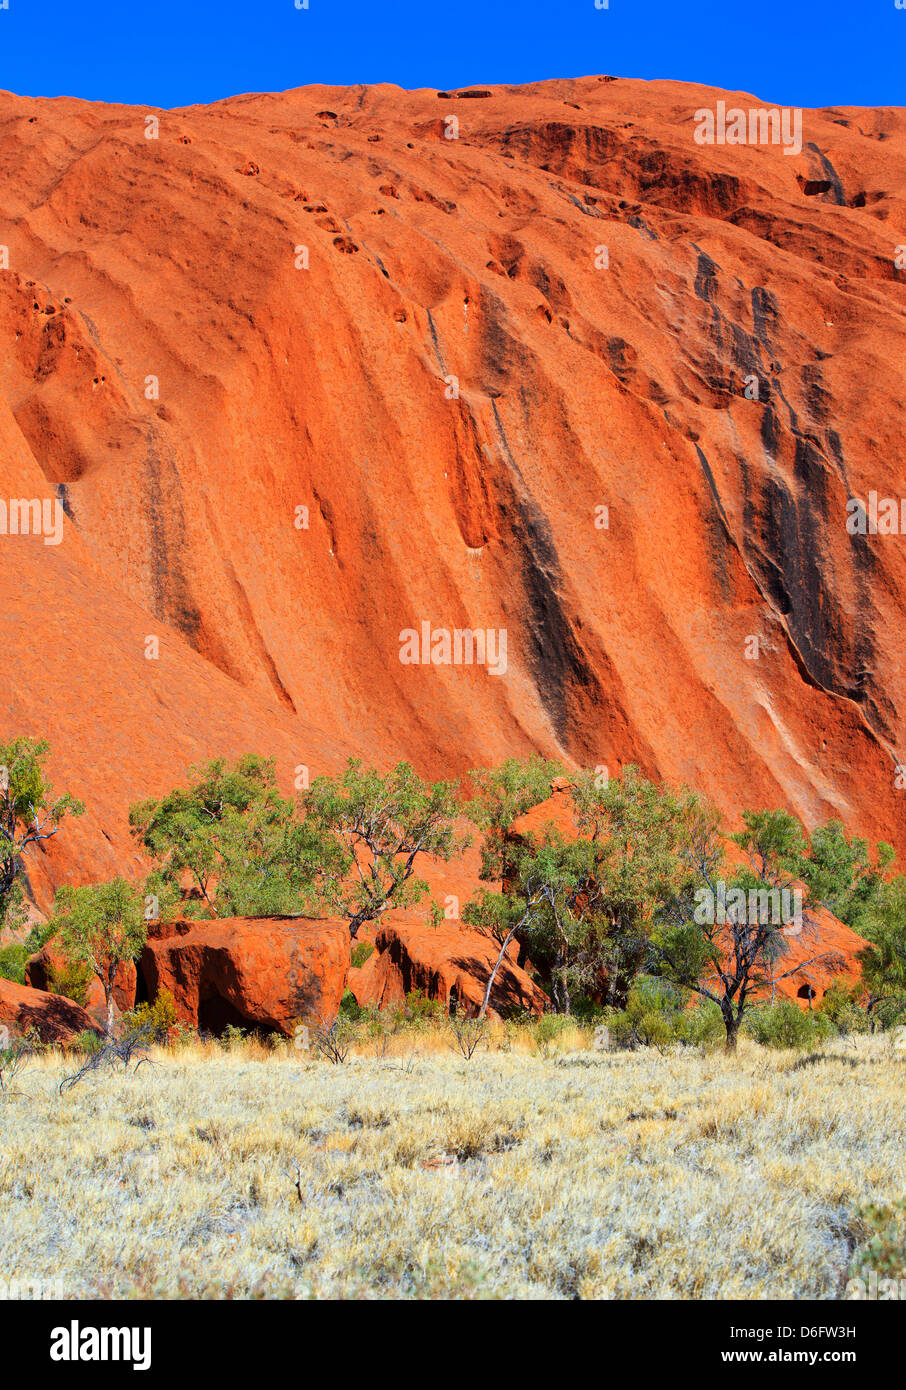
x=576, y=1174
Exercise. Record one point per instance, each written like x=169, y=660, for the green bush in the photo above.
x=72, y=980
x=842, y=1007
x=640, y=1026
x=888, y=1014
x=13, y=957
x=883, y=1249
x=421, y=1009
x=586, y=1011
x=547, y=1029
x=16, y=1055
x=655, y=1015
x=702, y=1025
x=160, y=1017
x=350, y=1008
x=360, y=953
x=418, y=1012
x=12, y=962
x=784, y=1024
x=232, y=1035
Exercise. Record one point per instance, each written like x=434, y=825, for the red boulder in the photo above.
x=449, y=963
x=53, y=1017
x=254, y=973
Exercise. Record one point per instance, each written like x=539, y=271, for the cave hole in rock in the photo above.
x=216, y=1014
x=812, y=187
x=142, y=992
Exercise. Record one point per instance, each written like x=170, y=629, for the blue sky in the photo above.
x=178, y=52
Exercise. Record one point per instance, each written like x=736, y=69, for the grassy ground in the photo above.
x=566, y=1174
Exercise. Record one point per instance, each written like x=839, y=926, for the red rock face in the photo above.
x=826, y=952
x=254, y=973
x=448, y=963
x=54, y=1018
x=496, y=336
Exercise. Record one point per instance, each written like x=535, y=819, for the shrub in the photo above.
x=14, y=956
x=231, y=1036
x=181, y=1034
x=12, y=962
x=420, y=1009
x=350, y=1007
x=884, y=1248
x=887, y=1014
x=655, y=1016
x=15, y=1056
x=587, y=1011
x=333, y=1041
x=104, y=1054
x=784, y=1024
x=360, y=953
x=702, y=1025
x=842, y=1007
x=158, y=1018
x=640, y=1026
x=547, y=1029
x=72, y=981
x=417, y=1012
x=467, y=1034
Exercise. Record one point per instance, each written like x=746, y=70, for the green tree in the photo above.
x=29, y=815
x=373, y=828
x=584, y=905
x=538, y=906
x=722, y=938
x=102, y=926
x=503, y=794
x=634, y=828
x=244, y=848
x=773, y=841
x=839, y=873
x=883, y=960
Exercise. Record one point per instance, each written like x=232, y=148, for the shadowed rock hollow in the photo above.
x=452, y=390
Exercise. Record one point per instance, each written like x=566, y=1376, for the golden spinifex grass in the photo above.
x=517, y=1174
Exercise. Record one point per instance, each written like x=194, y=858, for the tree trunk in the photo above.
x=357, y=921
x=110, y=1006
x=732, y=1026
x=493, y=976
